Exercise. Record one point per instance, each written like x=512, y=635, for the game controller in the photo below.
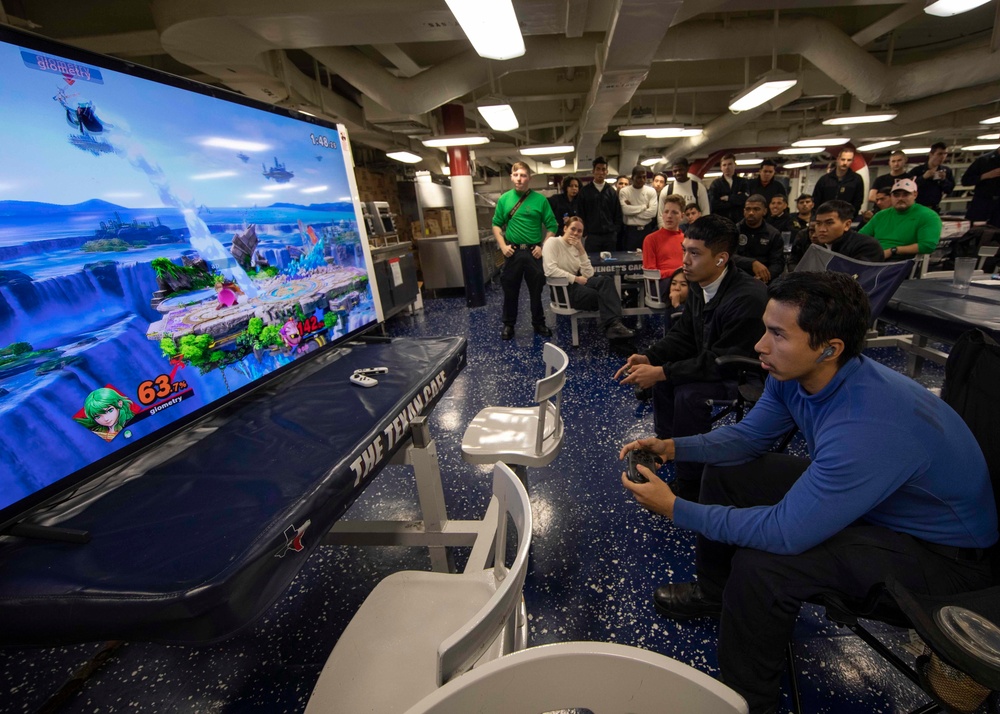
x=645, y=458
x=363, y=380
x=369, y=371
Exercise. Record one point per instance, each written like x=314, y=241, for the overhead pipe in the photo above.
x=836, y=54
x=453, y=78
x=726, y=124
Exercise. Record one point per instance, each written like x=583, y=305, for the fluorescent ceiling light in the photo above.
x=916, y=133
x=455, y=140
x=651, y=162
x=748, y=162
x=405, y=156
x=660, y=131
x=712, y=174
x=498, y=114
x=490, y=26
x=821, y=142
x=877, y=145
x=308, y=114
x=799, y=151
x=673, y=132
x=988, y=137
x=865, y=118
x=546, y=150
x=770, y=85
x=798, y=165
x=918, y=150
x=981, y=147
x=947, y=8
x=991, y=120
x=557, y=163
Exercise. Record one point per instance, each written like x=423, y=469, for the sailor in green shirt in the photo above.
x=522, y=222
x=907, y=228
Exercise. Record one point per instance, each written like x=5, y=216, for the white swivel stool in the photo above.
x=418, y=630
x=600, y=677
x=522, y=436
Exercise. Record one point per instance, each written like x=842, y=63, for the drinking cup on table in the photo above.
x=963, y=273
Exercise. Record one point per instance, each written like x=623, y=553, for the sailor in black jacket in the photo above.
x=842, y=183
x=600, y=210
x=722, y=316
x=760, y=248
x=729, y=192
x=833, y=229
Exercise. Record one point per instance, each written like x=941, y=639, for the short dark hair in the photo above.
x=660, y=173
x=691, y=205
x=843, y=209
x=782, y=196
x=846, y=148
x=938, y=145
x=831, y=306
x=803, y=196
x=600, y=160
x=757, y=198
x=884, y=191
x=639, y=171
x=769, y=162
x=719, y=234
x=727, y=156
x=567, y=181
x=682, y=162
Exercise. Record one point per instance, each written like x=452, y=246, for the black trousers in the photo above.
x=634, y=236
x=599, y=294
x=597, y=242
x=522, y=265
x=682, y=411
x=763, y=592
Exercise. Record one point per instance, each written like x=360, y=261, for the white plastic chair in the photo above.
x=525, y=436
x=418, y=630
x=559, y=304
x=654, y=300
x=600, y=677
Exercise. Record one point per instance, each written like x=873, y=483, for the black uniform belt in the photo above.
x=525, y=246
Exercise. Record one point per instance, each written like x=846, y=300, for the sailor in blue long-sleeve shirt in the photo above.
x=897, y=484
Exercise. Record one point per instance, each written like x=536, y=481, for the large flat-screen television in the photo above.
x=165, y=247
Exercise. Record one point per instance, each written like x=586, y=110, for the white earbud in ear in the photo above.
x=719, y=261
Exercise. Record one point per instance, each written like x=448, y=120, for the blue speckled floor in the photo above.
x=596, y=556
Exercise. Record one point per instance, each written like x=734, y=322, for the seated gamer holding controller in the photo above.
x=897, y=485
x=721, y=317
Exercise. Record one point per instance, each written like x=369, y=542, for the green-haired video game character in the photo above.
x=106, y=412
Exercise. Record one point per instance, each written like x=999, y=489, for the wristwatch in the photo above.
x=893, y=250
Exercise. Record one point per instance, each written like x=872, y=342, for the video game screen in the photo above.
x=160, y=250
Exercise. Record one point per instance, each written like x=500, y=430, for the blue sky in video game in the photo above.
x=198, y=142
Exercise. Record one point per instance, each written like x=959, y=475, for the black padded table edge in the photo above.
x=200, y=544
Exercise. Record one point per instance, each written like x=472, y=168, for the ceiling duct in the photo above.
x=636, y=29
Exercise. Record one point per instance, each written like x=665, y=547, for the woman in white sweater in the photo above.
x=564, y=257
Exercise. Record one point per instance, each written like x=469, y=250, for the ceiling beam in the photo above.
x=576, y=17
x=890, y=22
x=400, y=60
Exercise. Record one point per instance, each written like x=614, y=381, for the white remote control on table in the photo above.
x=363, y=381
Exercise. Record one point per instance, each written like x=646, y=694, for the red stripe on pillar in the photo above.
x=453, y=119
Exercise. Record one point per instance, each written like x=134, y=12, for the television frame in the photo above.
x=12, y=514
